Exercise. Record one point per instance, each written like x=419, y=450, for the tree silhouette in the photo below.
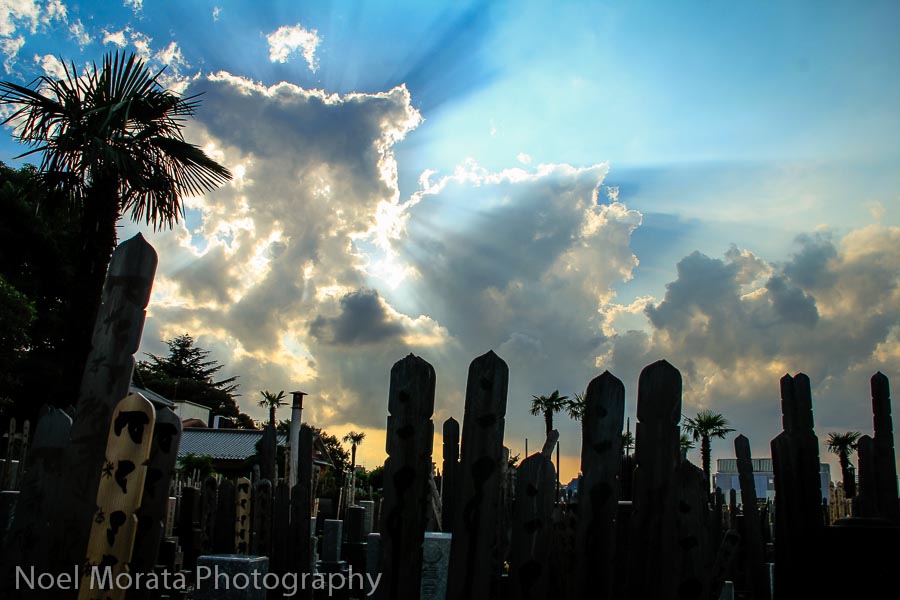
x=110, y=139
x=354, y=439
x=272, y=402
x=187, y=373
x=844, y=445
x=705, y=426
x=547, y=405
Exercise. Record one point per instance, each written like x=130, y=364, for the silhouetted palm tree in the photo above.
x=575, y=407
x=705, y=426
x=548, y=405
x=354, y=439
x=844, y=445
x=110, y=138
x=272, y=402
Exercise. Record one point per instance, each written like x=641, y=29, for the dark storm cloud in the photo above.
x=363, y=320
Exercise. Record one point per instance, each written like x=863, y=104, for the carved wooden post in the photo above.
x=449, y=469
x=242, y=516
x=529, y=561
x=691, y=522
x=119, y=494
x=107, y=376
x=407, y=470
x=261, y=537
x=190, y=534
x=654, y=573
x=728, y=551
x=28, y=542
x=208, y=503
x=885, y=461
x=867, y=495
x=752, y=533
x=282, y=554
x=152, y=513
x=798, y=490
x=598, y=492
x=474, y=571
x=223, y=541
x=299, y=558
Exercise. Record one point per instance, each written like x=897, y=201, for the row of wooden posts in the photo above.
x=665, y=542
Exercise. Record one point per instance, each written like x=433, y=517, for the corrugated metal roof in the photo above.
x=150, y=395
x=228, y=444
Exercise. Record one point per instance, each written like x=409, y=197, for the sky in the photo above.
x=579, y=186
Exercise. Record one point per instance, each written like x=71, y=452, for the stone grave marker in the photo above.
x=435, y=566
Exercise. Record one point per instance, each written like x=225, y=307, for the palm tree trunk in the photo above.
x=100, y=213
x=706, y=455
x=353, y=457
x=847, y=474
x=272, y=415
x=548, y=421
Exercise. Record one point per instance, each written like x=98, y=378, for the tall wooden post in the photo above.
x=529, y=561
x=154, y=504
x=107, y=376
x=752, y=532
x=654, y=573
x=407, y=471
x=885, y=461
x=299, y=559
x=448, y=476
x=119, y=494
x=798, y=491
x=29, y=541
x=598, y=493
x=474, y=570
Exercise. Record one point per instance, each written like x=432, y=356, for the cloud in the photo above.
x=140, y=41
x=136, y=5
x=364, y=319
x=10, y=47
x=30, y=15
x=115, y=37
x=734, y=326
x=291, y=239
x=217, y=10
x=287, y=40
x=80, y=34
x=51, y=66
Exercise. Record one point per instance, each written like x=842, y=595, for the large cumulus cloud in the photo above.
x=734, y=325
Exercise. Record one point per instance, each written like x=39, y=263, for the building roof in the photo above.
x=235, y=444
x=228, y=444
x=152, y=396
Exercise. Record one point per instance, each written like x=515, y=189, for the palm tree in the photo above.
x=354, y=439
x=110, y=140
x=705, y=426
x=547, y=405
x=844, y=444
x=575, y=407
x=627, y=442
x=272, y=402
x=685, y=442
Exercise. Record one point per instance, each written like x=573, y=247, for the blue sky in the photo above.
x=576, y=155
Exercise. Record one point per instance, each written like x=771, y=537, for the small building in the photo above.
x=229, y=449
x=726, y=477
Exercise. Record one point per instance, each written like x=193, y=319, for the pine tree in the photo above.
x=188, y=373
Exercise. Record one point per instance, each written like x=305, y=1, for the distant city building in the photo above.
x=726, y=478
